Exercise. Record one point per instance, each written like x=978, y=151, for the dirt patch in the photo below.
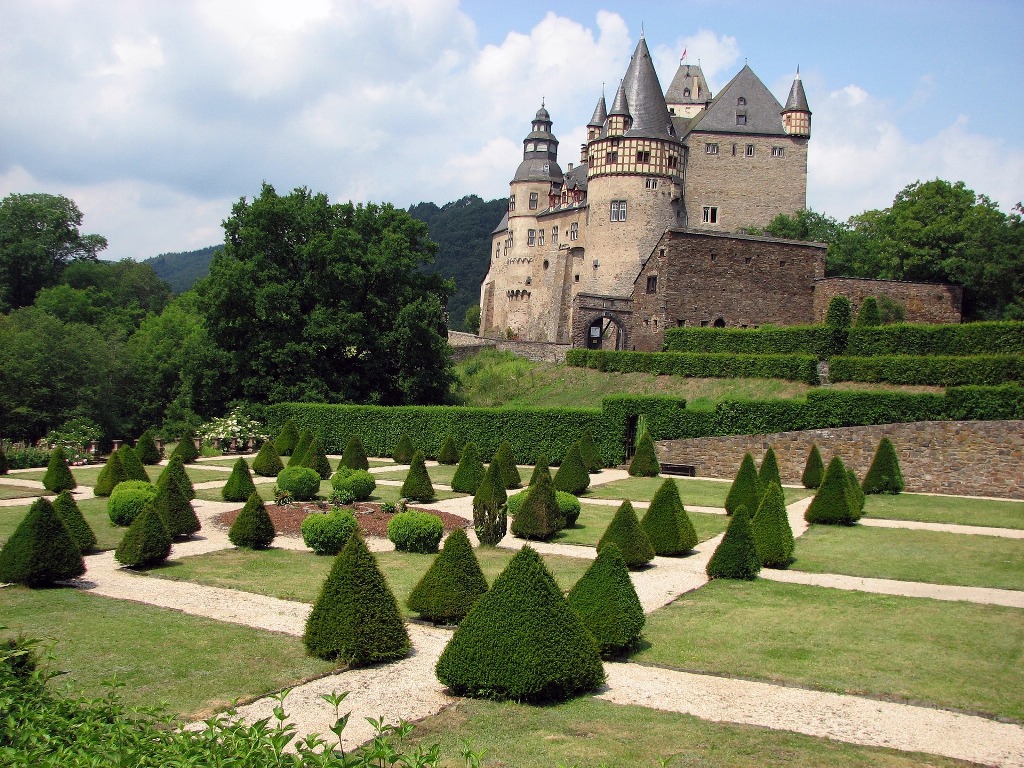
x=372, y=521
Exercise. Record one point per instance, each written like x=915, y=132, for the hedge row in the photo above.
x=712, y=366
x=990, y=338
x=821, y=341
x=936, y=370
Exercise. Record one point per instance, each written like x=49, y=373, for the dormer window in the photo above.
x=741, y=102
x=686, y=93
x=741, y=118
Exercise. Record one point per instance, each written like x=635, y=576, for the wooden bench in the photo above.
x=686, y=470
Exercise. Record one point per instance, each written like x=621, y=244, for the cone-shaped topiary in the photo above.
x=146, y=448
x=41, y=550
x=470, y=472
x=540, y=516
x=521, y=641
x=572, y=476
x=301, y=446
x=490, y=515
x=625, y=532
x=111, y=474
x=4, y=466
x=868, y=315
x=356, y=618
x=884, y=475
x=507, y=464
x=404, y=450
x=773, y=536
x=590, y=454
x=267, y=462
x=286, y=439
x=176, y=511
x=58, y=475
x=452, y=584
x=833, y=504
x=769, y=472
x=253, y=528
x=354, y=455
x=175, y=471
x=239, y=486
x=146, y=542
x=540, y=468
x=645, y=460
x=666, y=523
x=813, y=469
x=736, y=555
x=69, y=513
x=132, y=464
x=839, y=314
x=606, y=600
x=856, y=494
x=316, y=460
x=448, y=452
x=186, y=448
x=744, y=488
x=417, y=485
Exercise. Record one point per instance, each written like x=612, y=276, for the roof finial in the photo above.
x=542, y=101
x=797, y=71
x=641, y=30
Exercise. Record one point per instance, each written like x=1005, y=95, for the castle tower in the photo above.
x=796, y=115
x=596, y=125
x=688, y=93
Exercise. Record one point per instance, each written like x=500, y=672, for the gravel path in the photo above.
x=970, y=530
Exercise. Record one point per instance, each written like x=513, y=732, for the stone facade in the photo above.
x=921, y=302
x=978, y=458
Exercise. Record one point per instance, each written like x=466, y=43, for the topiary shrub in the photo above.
x=287, y=439
x=146, y=448
x=316, y=460
x=856, y=494
x=884, y=475
x=253, y=528
x=452, y=584
x=539, y=516
x=146, y=542
x=572, y=476
x=744, y=490
x=128, y=499
x=833, y=504
x=69, y=513
x=132, y=464
x=768, y=474
x=625, y=532
x=666, y=523
x=590, y=454
x=417, y=485
x=868, y=315
x=328, y=534
x=403, y=450
x=186, y=448
x=507, y=464
x=356, y=620
x=540, y=468
x=814, y=468
x=606, y=601
x=358, y=482
x=301, y=446
x=839, y=314
x=354, y=455
x=175, y=471
x=449, y=452
x=302, y=483
x=267, y=462
x=41, y=550
x=4, y=466
x=736, y=555
x=490, y=516
x=645, y=460
x=175, y=510
x=111, y=474
x=568, y=506
x=773, y=536
x=470, y=472
x=521, y=641
x=239, y=486
x=58, y=475
x=413, y=531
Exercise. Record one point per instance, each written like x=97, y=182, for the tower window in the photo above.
x=652, y=283
x=686, y=93
x=778, y=151
x=643, y=156
x=750, y=150
x=512, y=203
x=554, y=235
x=575, y=278
x=540, y=237
x=531, y=237
x=710, y=149
x=618, y=211
x=497, y=249
x=574, y=231
x=651, y=183
x=534, y=199
x=672, y=160
x=710, y=214
x=547, y=167
x=741, y=118
x=741, y=102
x=611, y=157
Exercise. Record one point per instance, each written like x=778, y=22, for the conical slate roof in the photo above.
x=744, y=95
x=688, y=77
x=620, y=106
x=645, y=98
x=797, y=101
x=600, y=114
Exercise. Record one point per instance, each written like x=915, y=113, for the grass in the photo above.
x=86, y=476
x=195, y=665
x=16, y=492
x=952, y=655
x=108, y=536
x=908, y=555
x=946, y=509
x=292, y=575
x=590, y=732
x=693, y=492
x=594, y=520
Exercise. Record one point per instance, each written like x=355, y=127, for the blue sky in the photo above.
x=155, y=116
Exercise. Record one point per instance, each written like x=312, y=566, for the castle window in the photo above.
x=747, y=259
x=511, y=240
x=540, y=237
x=546, y=265
x=529, y=280
x=531, y=237
x=778, y=151
x=611, y=157
x=741, y=102
x=651, y=183
x=710, y=214
x=686, y=93
x=672, y=160
x=750, y=150
x=710, y=149
x=652, y=283
x=530, y=147
x=741, y=118
x=703, y=323
x=575, y=278
x=643, y=156
x=574, y=231
x=554, y=235
x=534, y=200
x=497, y=249
x=512, y=203
x=618, y=211
x=542, y=146
x=734, y=146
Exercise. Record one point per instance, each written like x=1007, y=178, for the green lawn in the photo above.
x=196, y=665
x=108, y=536
x=908, y=555
x=594, y=520
x=86, y=476
x=590, y=732
x=19, y=492
x=953, y=655
x=946, y=509
x=442, y=474
x=694, y=492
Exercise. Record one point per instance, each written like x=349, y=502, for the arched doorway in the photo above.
x=606, y=332
x=719, y=323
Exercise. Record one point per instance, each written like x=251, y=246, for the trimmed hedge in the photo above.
x=4, y=466
x=301, y=446
x=302, y=482
x=175, y=472
x=625, y=532
x=111, y=474
x=146, y=448
x=814, y=468
x=286, y=439
x=69, y=513
x=132, y=464
x=507, y=464
x=41, y=550
x=568, y=505
x=988, y=338
x=724, y=365
x=267, y=462
x=773, y=536
x=413, y=531
x=934, y=370
x=645, y=460
x=666, y=523
x=128, y=499
x=176, y=511
x=315, y=459
x=856, y=493
x=452, y=584
x=417, y=485
x=868, y=316
x=539, y=516
x=448, y=453
x=146, y=542
x=404, y=450
x=834, y=504
x=328, y=534
x=186, y=448
x=839, y=312
x=736, y=555
x=606, y=601
x=490, y=514
x=819, y=341
x=744, y=491
x=768, y=473
x=470, y=471
x=354, y=455
x=358, y=482
x=239, y=486
x=58, y=475
x=884, y=475
x=253, y=528
x=572, y=475
x=591, y=456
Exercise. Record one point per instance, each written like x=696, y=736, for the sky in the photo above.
x=155, y=116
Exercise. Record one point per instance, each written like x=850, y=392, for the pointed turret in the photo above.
x=596, y=124
x=619, y=119
x=646, y=101
x=540, y=151
x=796, y=115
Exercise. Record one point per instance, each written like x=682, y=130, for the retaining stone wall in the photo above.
x=466, y=345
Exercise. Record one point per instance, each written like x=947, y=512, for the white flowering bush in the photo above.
x=236, y=425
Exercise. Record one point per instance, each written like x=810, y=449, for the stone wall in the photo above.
x=466, y=345
x=586, y=308
x=977, y=458
x=922, y=302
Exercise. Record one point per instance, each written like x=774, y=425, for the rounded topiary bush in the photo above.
x=568, y=505
x=404, y=450
x=146, y=448
x=253, y=528
x=41, y=550
x=132, y=464
x=538, y=516
x=69, y=513
x=286, y=439
x=521, y=641
x=833, y=504
x=470, y=471
x=814, y=468
x=128, y=499
x=625, y=532
x=358, y=482
x=868, y=316
x=645, y=460
x=301, y=482
x=354, y=455
x=884, y=475
x=839, y=314
x=417, y=485
x=606, y=600
x=770, y=529
x=448, y=452
x=327, y=534
x=111, y=474
x=58, y=475
x=415, y=532
x=175, y=472
x=175, y=510
x=572, y=476
x=316, y=459
x=507, y=464
x=239, y=486
x=452, y=584
x=744, y=490
x=490, y=514
x=666, y=523
x=146, y=542
x=268, y=461
x=736, y=555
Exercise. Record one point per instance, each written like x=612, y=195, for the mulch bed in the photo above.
x=372, y=522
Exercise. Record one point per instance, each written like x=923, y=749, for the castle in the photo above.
x=637, y=235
